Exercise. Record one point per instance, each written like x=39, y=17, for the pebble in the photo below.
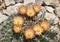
x=56, y=20
x=58, y=36
x=39, y=1
x=55, y=29
x=8, y=2
x=28, y=1
x=18, y=1
x=12, y=9
x=3, y=17
x=57, y=11
x=50, y=9
x=49, y=2
x=17, y=5
x=50, y=16
x=51, y=41
x=2, y=5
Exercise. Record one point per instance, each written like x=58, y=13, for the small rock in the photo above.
x=49, y=16
x=12, y=9
x=50, y=9
x=2, y=5
x=56, y=20
x=3, y=17
x=8, y=2
x=49, y=2
x=17, y=5
x=39, y=1
x=18, y=1
x=28, y=1
x=58, y=36
x=51, y=41
x=55, y=29
x=57, y=11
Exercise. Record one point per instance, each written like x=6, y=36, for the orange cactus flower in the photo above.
x=37, y=7
x=23, y=9
x=18, y=21
x=30, y=12
x=17, y=29
x=38, y=29
x=45, y=24
x=29, y=33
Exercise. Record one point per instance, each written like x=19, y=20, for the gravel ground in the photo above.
x=51, y=7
